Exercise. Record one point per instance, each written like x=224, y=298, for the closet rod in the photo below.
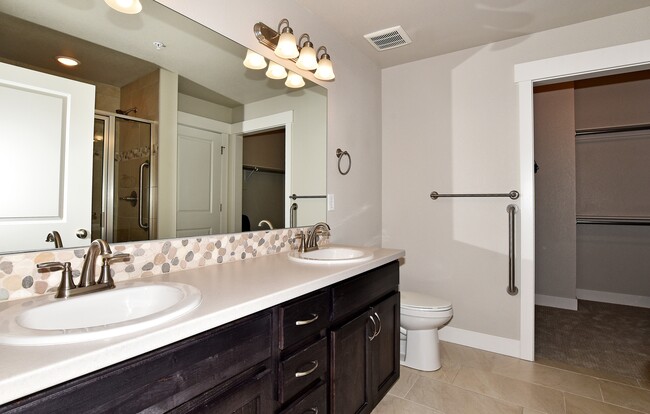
x=625, y=128
x=630, y=221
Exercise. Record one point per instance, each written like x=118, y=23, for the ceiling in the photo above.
x=441, y=26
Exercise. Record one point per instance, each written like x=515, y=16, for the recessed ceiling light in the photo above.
x=125, y=6
x=67, y=61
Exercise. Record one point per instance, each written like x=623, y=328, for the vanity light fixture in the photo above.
x=125, y=6
x=254, y=60
x=285, y=47
x=325, y=70
x=276, y=71
x=294, y=80
x=67, y=61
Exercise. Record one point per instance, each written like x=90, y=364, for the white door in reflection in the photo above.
x=45, y=179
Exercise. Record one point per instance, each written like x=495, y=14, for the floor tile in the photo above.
x=644, y=384
x=558, y=379
x=395, y=405
x=458, y=355
x=407, y=378
x=576, y=404
x=454, y=400
x=518, y=392
x=626, y=396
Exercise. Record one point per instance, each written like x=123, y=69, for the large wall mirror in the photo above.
x=159, y=132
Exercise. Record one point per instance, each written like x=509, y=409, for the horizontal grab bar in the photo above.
x=294, y=197
x=512, y=194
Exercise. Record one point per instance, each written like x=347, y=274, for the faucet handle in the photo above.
x=107, y=259
x=301, y=236
x=66, y=283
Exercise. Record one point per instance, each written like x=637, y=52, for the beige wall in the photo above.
x=354, y=105
x=451, y=123
x=555, y=192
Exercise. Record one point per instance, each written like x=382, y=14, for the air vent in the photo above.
x=388, y=38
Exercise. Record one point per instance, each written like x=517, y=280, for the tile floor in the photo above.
x=474, y=381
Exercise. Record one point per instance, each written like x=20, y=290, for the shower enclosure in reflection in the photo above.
x=122, y=169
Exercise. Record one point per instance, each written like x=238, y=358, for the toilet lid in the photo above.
x=418, y=301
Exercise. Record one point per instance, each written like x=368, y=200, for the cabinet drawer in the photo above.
x=302, y=369
x=354, y=295
x=313, y=403
x=303, y=318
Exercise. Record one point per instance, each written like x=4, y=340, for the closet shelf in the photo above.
x=616, y=220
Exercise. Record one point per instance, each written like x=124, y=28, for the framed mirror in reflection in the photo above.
x=158, y=132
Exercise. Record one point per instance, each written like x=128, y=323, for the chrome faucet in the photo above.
x=268, y=223
x=87, y=282
x=318, y=229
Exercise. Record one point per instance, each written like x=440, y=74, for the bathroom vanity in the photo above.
x=271, y=335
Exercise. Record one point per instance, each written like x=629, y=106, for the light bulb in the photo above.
x=276, y=71
x=254, y=60
x=125, y=6
x=307, y=59
x=294, y=80
x=325, y=70
x=67, y=61
x=287, y=48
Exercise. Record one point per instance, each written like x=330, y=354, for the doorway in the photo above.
x=121, y=190
x=592, y=148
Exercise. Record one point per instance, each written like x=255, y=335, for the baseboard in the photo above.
x=556, y=302
x=491, y=343
x=611, y=297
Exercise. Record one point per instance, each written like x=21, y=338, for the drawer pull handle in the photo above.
x=308, y=321
x=374, y=328
x=309, y=371
x=312, y=410
x=379, y=322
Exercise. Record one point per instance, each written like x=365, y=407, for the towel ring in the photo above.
x=340, y=154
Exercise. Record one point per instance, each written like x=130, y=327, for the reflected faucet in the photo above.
x=268, y=223
x=318, y=229
x=56, y=238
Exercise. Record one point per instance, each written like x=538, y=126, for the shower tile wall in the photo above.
x=19, y=277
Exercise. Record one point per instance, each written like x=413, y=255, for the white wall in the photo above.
x=354, y=110
x=450, y=124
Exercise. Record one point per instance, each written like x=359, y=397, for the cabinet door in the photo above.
x=384, y=347
x=350, y=361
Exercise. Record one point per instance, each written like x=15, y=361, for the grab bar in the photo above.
x=512, y=194
x=512, y=289
x=294, y=197
x=293, y=214
x=141, y=223
x=618, y=220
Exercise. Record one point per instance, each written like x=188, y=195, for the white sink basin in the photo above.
x=130, y=307
x=333, y=254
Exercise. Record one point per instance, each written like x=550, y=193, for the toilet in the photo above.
x=421, y=316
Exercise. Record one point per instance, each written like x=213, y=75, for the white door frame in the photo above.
x=607, y=61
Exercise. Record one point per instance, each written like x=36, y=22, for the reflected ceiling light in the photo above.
x=67, y=61
x=254, y=60
x=325, y=70
x=286, y=48
x=276, y=71
x=125, y=6
x=307, y=59
x=294, y=80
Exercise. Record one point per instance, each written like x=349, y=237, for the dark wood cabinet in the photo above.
x=334, y=350
x=364, y=349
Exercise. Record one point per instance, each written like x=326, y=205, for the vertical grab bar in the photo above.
x=293, y=214
x=141, y=222
x=512, y=289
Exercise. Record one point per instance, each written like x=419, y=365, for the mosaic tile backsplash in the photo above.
x=19, y=277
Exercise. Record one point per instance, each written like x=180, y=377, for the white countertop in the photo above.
x=230, y=291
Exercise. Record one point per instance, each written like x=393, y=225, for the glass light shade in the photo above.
x=276, y=71
x=287, y=48
x=325, y=70
x=254, y=60
x=294, y=80
x=307, y=59
x=125, y=6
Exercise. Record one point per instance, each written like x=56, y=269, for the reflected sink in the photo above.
x=130, y=307
x=332, y=254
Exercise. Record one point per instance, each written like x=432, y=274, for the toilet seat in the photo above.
x=414, y=301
